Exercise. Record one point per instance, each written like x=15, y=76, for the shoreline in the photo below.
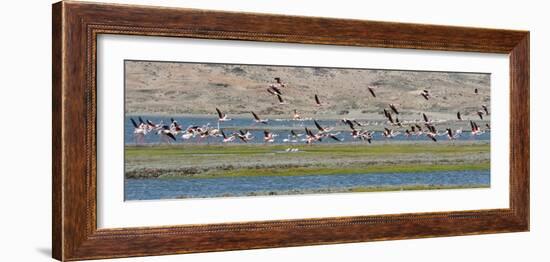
x=302, y=171
x=343, y=190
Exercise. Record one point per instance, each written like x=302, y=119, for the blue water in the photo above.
x=257, y=130
x=148, y=189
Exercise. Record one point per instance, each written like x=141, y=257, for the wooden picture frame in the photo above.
x=76, y=26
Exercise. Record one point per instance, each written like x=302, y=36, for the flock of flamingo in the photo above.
x=358, y=131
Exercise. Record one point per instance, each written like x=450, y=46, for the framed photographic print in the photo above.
x=182, y=130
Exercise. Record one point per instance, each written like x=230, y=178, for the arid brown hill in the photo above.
x=187, y=88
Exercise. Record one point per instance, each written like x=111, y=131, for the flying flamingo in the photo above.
x=294, y=134
x=165, y=134
x=480, y=114
x=367, y=136
x=257, y=119
x=371, y=90
x=269, y=137
x=394, y=109
x=476, y=131
x=389, y=133
x=322, y=130
x=153, y=126
x=227, y=139
x=310, y=137
x=420, y=132
x=139, y=131
x=296, y=115
x=425, y=93
x=348, y=122
x=221, y=116
x=397, y=122
x=334, y=137
x=431, y=136
x=189, y=133
x=317, y=101
x=273, y=90
x=244, y=136
x=426, y=119
x=455, y=135
x=175, y=128
x=390, y=118
x=485, y=109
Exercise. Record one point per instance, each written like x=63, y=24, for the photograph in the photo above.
x=207, y=130
x=306, y=130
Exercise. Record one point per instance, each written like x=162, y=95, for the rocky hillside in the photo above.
x=188, y=88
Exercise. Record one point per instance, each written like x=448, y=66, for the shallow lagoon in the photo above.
x=149, y=189
x=279, y=127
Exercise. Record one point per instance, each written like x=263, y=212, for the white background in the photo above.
x=25, y=106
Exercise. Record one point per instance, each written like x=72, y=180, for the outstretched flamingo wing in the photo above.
x=171, y=136
x=371, y=91
x=220, y=114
